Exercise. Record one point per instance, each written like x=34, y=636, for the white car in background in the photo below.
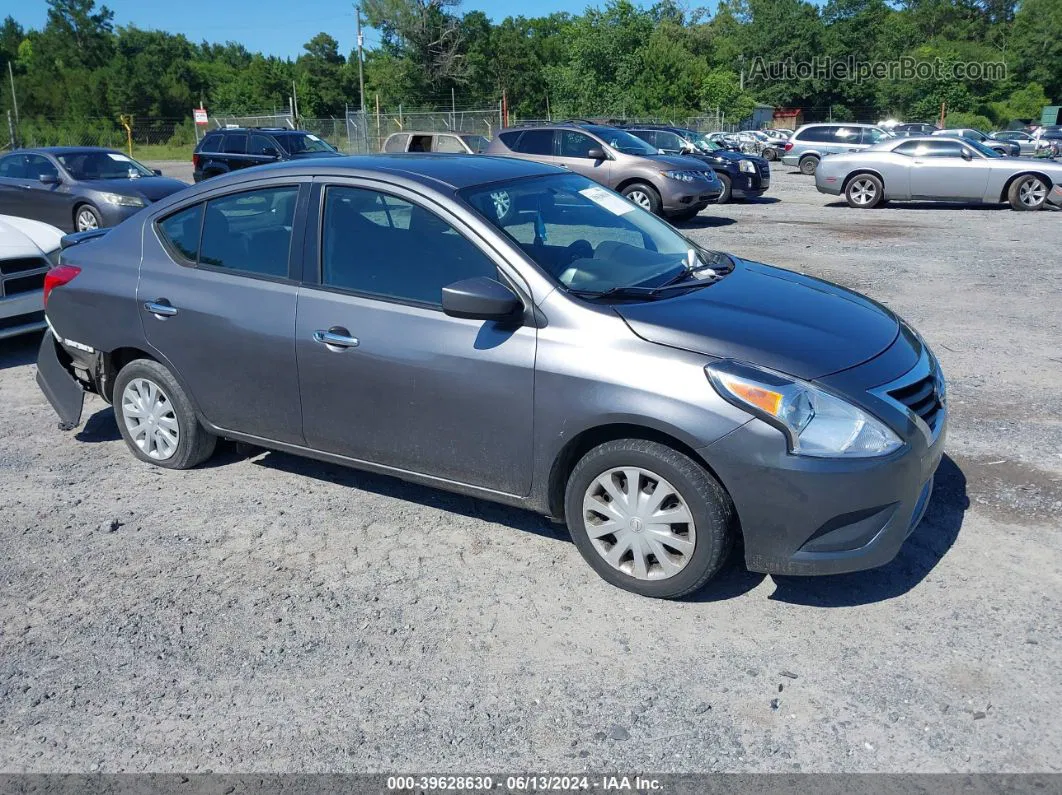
x=28, y=249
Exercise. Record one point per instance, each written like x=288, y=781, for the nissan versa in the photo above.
x=513, y=331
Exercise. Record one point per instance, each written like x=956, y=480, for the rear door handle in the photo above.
x=335, y=337
x=160, y=308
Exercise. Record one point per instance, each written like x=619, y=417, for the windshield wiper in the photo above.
x=644, y=292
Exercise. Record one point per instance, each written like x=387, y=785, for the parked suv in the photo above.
x=812, y=142
x=741, y=175
x=231, y=149
x=675, y=187
x=451, y=143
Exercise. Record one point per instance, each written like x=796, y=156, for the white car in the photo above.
x=28, y=249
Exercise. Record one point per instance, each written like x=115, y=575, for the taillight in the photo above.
x=57, y=277
x=195, y=160
x=788, y=146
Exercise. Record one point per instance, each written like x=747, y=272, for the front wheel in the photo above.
x=156, y=418
x=645, y=196
x=1027, y=193
x=648, y=518
x=728, y=189
x=87, y=218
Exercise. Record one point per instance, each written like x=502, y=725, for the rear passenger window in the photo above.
x=212, y=143
x=181, y=232
x=449, y=144
x=396, y=143
x=250, y=232
x=818, y=134
x=535, y=142
x=235, y=144
x=384, y=246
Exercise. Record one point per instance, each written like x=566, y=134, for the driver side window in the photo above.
x=573, y=144
x=37, y=166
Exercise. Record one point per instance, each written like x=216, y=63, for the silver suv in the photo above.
x=812, y=142
x=671, y=186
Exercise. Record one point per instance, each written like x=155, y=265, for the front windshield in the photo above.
x=477, y=143
x=702, y=142
x=303, y=143
x=586, y=237
x=975, y=135
x=623, y=141
x=93, y=165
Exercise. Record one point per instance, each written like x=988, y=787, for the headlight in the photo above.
x=815, y=422
x=747, y=166
x=681, y=176
x=122, y=201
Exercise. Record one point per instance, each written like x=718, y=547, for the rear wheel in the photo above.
x=864, y=191
x=1028, y=192
x=645, y=196
x=809, y=165
x=156, y=418
x=87, y=218
x=770, y=153
x=648, y=518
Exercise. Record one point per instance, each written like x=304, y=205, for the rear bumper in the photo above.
x=791, y=160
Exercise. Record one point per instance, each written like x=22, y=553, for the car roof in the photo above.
x=63, y=150
x=454, y=171
x=433, y=132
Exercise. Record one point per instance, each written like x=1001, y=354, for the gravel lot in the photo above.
x=269, y=613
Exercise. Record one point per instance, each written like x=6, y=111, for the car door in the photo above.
x=939, y=171
x=217, y=302
x=572, y=150
x=409, y=387
x=12, y=176
x=52, y=201
x=844, y=139
x=235, y=151
x=531, y=144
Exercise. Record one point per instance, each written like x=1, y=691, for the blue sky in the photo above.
x=276, y=27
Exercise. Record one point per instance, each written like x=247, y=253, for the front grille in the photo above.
x=22, y=275
x=922, y=398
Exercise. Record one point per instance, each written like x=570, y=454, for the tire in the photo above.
x=86, y=217
x=770, y=153
x=132, y=388
x=864, y=191
x=728, y=189
x=692, y=488
x=1027, y=192
x=809, y=165
x=645, y=196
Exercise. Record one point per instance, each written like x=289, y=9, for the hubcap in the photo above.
x=86, y=221
x=639, y=523
x=641, y=198
x=1032, y=193
x=150, y=419
x=863, y=191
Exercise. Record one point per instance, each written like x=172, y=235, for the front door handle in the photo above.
x=160, y=308
x=335, y=338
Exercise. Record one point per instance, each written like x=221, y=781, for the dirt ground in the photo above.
x=269, y=613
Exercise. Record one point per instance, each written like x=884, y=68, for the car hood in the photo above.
x=775, y=318
x=311, y=155
x=150, y=188
x=726, y=154
x=22, y=237
x=676, y=162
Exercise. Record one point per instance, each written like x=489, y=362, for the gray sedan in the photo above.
x=517, y=332
x=939, y=169
x=78, y=188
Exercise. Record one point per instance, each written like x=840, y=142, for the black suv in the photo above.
x=222, y=151
x=743, y=176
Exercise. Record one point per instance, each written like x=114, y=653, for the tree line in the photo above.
x=617, y=59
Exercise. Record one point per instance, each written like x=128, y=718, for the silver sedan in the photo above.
x=939, y=169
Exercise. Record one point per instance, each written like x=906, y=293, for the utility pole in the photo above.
x=741, y=78
x=14, y=99
x=453, y=109
x=361, y=73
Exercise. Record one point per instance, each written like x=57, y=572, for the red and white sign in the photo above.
x=200, y=115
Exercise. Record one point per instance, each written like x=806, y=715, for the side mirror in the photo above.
x=157, y=172
x=596, y=153
x=966, y=154
x=49, y=179
x=270, y=151
x=480, y=299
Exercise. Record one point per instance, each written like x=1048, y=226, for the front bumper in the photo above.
x=114, y=214
x=1055, y=196
x=21, y=313
x=811, y=516
x=676, y=197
